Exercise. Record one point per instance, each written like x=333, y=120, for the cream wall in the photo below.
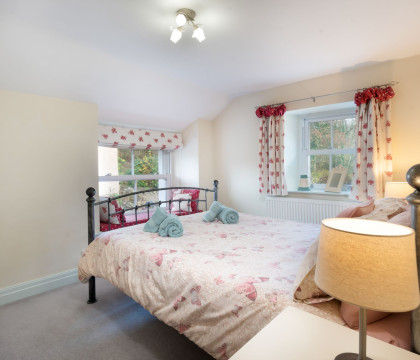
x=235, y=130
x=193, y=164
x=184, y=162
x=48, y=157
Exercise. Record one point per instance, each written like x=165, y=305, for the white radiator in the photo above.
x=304, y=210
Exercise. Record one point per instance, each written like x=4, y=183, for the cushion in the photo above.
x=357, y=211
x=350, y=314
x=404, y=218
x=195, y=195
x=183, y=205
x=103, y=212
x=395, y=329
x=385, y=209
x=305, y=289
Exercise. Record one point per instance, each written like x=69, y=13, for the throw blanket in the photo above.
x=221, y=212
x=171, y=227
x=153, y=224
x=218, y=285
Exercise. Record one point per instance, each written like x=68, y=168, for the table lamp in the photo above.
x=399, y=190
x=370, y=264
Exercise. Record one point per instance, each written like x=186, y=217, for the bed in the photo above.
x=218, y=284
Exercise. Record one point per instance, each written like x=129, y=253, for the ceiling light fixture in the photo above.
x=184, y=16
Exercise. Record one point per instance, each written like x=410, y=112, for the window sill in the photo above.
x=321, y=195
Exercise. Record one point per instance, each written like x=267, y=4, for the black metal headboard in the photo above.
x=91, y=202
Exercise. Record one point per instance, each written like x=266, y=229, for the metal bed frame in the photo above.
x=412, y=177
x=91, y=203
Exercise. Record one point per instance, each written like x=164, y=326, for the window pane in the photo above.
x=146, y=162
x=344, y=135
x=113, y=161
x=346, y=161
x=320, y=135
x=109, y=188
x=115, y=188
x=124, y=161
x=152, y=196
x=320, y=168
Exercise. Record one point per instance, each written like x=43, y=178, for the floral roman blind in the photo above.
x=116, y=136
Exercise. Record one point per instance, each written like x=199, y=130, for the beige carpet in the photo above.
x=60, y=325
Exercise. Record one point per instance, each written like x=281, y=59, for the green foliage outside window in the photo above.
x=333, y=135
x=146, y=162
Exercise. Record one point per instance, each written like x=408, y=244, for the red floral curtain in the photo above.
x=272, y=179
x=373, y=162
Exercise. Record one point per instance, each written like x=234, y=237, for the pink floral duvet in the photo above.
x=217, y=284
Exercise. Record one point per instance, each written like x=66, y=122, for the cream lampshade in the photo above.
x=371, y=264
x=397, y=190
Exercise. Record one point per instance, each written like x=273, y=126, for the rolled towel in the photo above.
x=228, y=216
x=171, y=227
x=214, y=210
x=153, y=224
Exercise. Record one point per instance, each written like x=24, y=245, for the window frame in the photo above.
x=164, y=163
x=307, y=152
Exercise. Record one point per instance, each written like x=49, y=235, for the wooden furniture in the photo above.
x=295, y=334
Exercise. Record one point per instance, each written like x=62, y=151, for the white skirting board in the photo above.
x=37, y=286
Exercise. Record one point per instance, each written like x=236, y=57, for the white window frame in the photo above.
x=164, y=161
x=306, y=152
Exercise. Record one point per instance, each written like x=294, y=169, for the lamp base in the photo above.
x=350, y=356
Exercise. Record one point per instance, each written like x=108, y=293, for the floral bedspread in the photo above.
x=217, y=284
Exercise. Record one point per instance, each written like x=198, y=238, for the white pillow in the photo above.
x=184, y=205
x=103, y=214
x=385, y=209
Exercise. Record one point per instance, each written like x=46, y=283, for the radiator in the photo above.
x=303, y=210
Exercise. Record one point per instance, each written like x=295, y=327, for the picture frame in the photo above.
x=336, y=179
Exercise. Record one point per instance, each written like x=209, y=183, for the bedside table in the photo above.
x=295, y=334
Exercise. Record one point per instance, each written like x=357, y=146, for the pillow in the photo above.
x=357, y=211
x=103, y=212
x=350, y=314
x=403, y=218
x=305, y=289
x=394, y=329
x=195, y=195
x=385, y=209
x=184, y=205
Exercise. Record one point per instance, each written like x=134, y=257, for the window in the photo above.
x=329, y=141
x=125, y=170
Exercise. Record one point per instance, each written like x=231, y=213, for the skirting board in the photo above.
x=38, y=286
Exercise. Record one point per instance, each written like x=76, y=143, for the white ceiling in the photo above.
x=117, y=53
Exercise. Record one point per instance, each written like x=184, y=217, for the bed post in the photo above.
x=215, y=185
x=413, y=178
x=90, y=192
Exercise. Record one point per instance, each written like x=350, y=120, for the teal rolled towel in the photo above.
x=171, y=227
x=214, y=210
x=228, y=216
x=153, y=224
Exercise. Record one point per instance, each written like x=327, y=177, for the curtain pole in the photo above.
x=392, y=83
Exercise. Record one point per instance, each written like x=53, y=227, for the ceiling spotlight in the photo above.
x=176, y=34
x=198, y=33
x=181, y=19
x=184, y=16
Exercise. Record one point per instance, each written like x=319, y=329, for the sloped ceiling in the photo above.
x=117, y=53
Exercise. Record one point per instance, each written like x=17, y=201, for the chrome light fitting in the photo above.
x=184, y=16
